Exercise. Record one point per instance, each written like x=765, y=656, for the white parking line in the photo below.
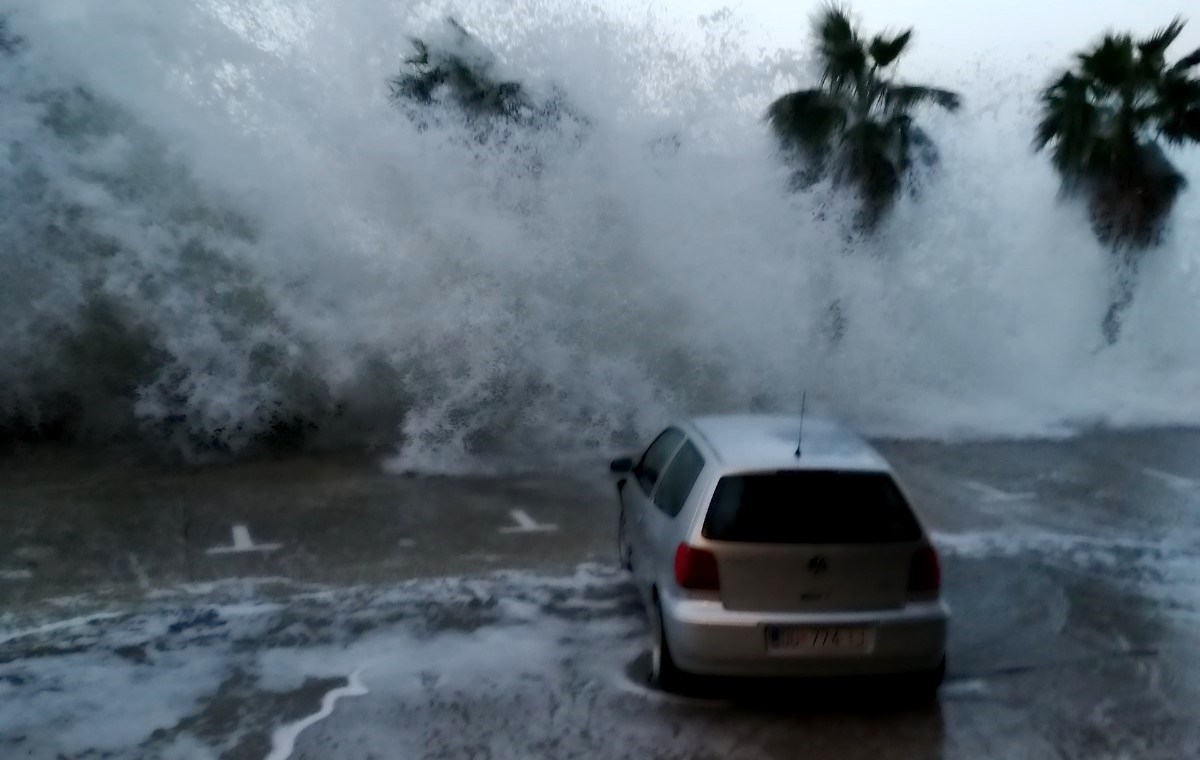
x=242, y=542
x=1171, y=479
x=477, y=557
x=283, y=739
x=15, y=575
x=995, y=494
x=526, y=524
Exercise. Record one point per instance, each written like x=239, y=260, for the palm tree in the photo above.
x=856, y=126
x=460, y=70
x=1102, y=122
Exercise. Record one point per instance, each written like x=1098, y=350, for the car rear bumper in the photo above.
x=707, y=639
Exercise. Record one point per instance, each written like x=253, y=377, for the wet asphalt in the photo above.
x=1072, y=569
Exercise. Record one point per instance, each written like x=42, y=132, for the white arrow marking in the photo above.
x=526, y=524
x=15, y=575
x=242, y=543
x=139, y=572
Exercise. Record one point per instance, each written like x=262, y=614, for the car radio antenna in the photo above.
x=800, y=439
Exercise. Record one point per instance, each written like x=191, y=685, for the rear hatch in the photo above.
x=812, y=540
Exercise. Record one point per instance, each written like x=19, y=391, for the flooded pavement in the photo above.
x=318, y=608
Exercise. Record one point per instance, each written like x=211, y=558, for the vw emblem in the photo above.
x=818, y=565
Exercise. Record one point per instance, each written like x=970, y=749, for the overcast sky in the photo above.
x=957, y=26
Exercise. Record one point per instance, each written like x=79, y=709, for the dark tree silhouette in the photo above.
x=1101, y=122
x=856, y=125
x=460, y=71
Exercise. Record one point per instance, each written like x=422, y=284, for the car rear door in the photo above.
x=662, y=529
x=805, y=540
x=636, y=500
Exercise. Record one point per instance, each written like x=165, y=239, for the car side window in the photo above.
x=679, y=479
x=650, y=468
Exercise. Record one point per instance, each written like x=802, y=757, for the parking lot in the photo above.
x=319, y=607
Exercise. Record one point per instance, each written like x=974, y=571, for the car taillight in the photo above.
x=696, y=569
x=925, y=571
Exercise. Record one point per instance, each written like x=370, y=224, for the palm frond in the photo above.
x=870, y=160
x=420, y=56
x=421, y=79
x=923, y=147
x=834, y=26
x=1188, y=61
x=1099, y=124
x=856, y=126
x=1183, y=128
x=1155, y=46
x=1179, y=109
x=1070, y=124
x=904, y=97
x=462, y=70
x=1110, y=64
x=885, y=51
x=807, y=119
x=840, y=48
x=458, y=28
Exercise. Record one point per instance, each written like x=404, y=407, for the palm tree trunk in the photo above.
x=834, y=319
x=1123, y=280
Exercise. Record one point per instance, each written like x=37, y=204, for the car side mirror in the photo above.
x=621, y=466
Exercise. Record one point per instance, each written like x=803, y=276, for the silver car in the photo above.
x=757, y=553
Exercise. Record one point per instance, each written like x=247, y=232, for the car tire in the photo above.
x=927, y=683
x=664, y=673
x=624, y=547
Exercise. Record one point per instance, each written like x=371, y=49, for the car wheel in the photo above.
x=664, y=673
x=624, y=547
x=927, y=683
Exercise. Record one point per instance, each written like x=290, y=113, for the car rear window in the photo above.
x=810, y=507
x=656, y=458
x=679, y=479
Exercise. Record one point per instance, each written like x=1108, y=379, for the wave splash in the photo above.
x=220, y=234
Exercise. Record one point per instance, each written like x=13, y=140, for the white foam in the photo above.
x=1166, y=570
x=96, y=701
x=532, y=315
x=559, y=673
x=980, y=544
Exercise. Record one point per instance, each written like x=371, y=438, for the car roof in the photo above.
x=749, y=442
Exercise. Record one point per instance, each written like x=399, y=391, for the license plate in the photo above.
x=804, y=640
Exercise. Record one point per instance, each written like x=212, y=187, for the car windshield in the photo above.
x=810, y=507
